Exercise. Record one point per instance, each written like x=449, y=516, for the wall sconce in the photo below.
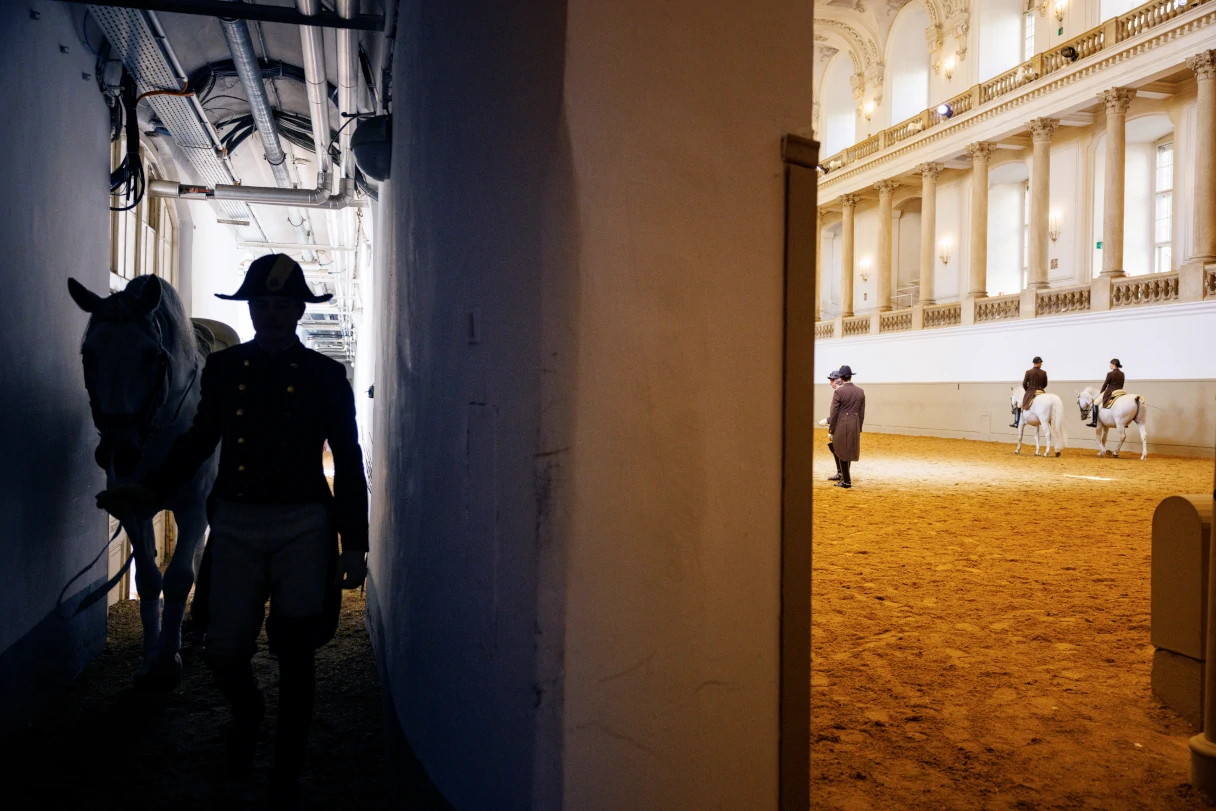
x=865, y=269
x=867, y=109
x=944, y=251
x=1053, y=226
x=948, y=66
x=1060, y=7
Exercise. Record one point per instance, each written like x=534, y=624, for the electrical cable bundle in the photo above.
x=128, y=180
x=292, y=127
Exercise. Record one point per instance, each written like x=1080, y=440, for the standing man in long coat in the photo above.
x=1034, y=381
x=845, y=420
x=1114, y=381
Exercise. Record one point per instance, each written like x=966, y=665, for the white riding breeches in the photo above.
x=261, y=551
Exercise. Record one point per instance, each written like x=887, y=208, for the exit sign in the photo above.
x=1099, y=246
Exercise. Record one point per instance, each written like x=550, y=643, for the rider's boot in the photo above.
x=1093, y=423
x=1017, y=417
x=836, y=459
x=297, y=687
x=235, y=680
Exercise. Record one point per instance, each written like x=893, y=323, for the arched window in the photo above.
x=838, y=110
x=908, y=63
x=1148, y=196
x=142, y=239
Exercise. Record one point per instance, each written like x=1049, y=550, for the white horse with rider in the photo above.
x=1046, y=414
x=1125, y=410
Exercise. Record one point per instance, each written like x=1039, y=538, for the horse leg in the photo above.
x=1021, y=431
x=1143, y=441
x=1047, y=436
x=1038, y=428
x=1122, y=438
x=147, y=585
x=1101, y=439
x=179, y=578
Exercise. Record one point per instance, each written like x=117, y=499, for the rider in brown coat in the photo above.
x=1033, y=381
x=1114, y=381
x=845, y=420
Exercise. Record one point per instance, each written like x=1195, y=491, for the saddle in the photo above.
x=1110, y=398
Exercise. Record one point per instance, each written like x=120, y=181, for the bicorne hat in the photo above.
x=275, y=274
x=845, y=371
x=1037, y=359
x=1115, y=361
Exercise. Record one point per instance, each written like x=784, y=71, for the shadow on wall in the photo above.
x=54, y=223
x=473, y=401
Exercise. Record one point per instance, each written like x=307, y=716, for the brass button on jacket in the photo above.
x=285, y=453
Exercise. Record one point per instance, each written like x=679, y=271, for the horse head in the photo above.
x=125, y=368
x=1085, y=400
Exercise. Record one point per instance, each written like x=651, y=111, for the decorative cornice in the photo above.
x=1041, y=129
x=980, y=151
x=886, y=188
x=929, y=171
x=1117, y=100
x=1128, y=52
x=1203, y=64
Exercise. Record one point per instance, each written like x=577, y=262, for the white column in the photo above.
x=1204, y=247
x=928, y=228
x=1116, y=100
x=980, y=152
x=886, y=190
x=848, y=203
x=1041, y=130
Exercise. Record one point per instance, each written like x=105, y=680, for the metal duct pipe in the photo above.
x=313, y=48
x=240, y=45
x=265, y=195
x=348, y=84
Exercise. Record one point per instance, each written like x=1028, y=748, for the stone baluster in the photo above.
x=886, y=190
x=848, y=202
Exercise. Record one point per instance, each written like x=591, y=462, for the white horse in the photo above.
x=1126, y=409
x=1046, y=413
x=142, y=365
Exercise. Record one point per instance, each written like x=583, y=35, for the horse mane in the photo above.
x=176, y=330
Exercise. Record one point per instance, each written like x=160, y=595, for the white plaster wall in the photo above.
x=866, y=235
x=953, y=224
x=1138, y=210
x=1146, y=340
x=1005, y=236
x=673, y=591
x=908, y=246
x=837, y=108
x=1067, y=172
x=1000, y=36
x=907, y=65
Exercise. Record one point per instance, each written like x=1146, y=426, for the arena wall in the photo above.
x=955, y=382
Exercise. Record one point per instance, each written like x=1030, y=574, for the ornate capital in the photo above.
x=980, y=151
x=1203, y=64
x=847, y=201
x=929, y=171
x=1041, y=129
x=1117, y=100
x=886, y=188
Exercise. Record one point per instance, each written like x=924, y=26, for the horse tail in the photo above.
x=1057, y=424
x=1142, y=410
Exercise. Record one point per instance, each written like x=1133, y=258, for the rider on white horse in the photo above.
x=1033, y=381
x=1114, y=381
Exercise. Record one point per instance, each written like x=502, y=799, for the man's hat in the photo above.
x=1115, y=361
x=1037, y=359
x=845, y=371
x=833, y=375
x=275, y=274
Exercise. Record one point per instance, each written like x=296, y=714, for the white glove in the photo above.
x=823, y=423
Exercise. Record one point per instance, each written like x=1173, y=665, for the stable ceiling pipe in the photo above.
x=264, y=195
x=240, y=45
x=313, y=49
x=348, y=85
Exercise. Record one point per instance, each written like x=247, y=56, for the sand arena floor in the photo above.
x=980, y=631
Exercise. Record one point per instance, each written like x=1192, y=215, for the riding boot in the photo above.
x=236, y=681
x=836, y=459
x=846, y=480
x=297, y=688
x=1094, y=422
x=1017, y=417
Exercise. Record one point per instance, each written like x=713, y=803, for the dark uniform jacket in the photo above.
x=1032, y=381
x=273, y=416
x=845, y=419
x=1114, y=380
